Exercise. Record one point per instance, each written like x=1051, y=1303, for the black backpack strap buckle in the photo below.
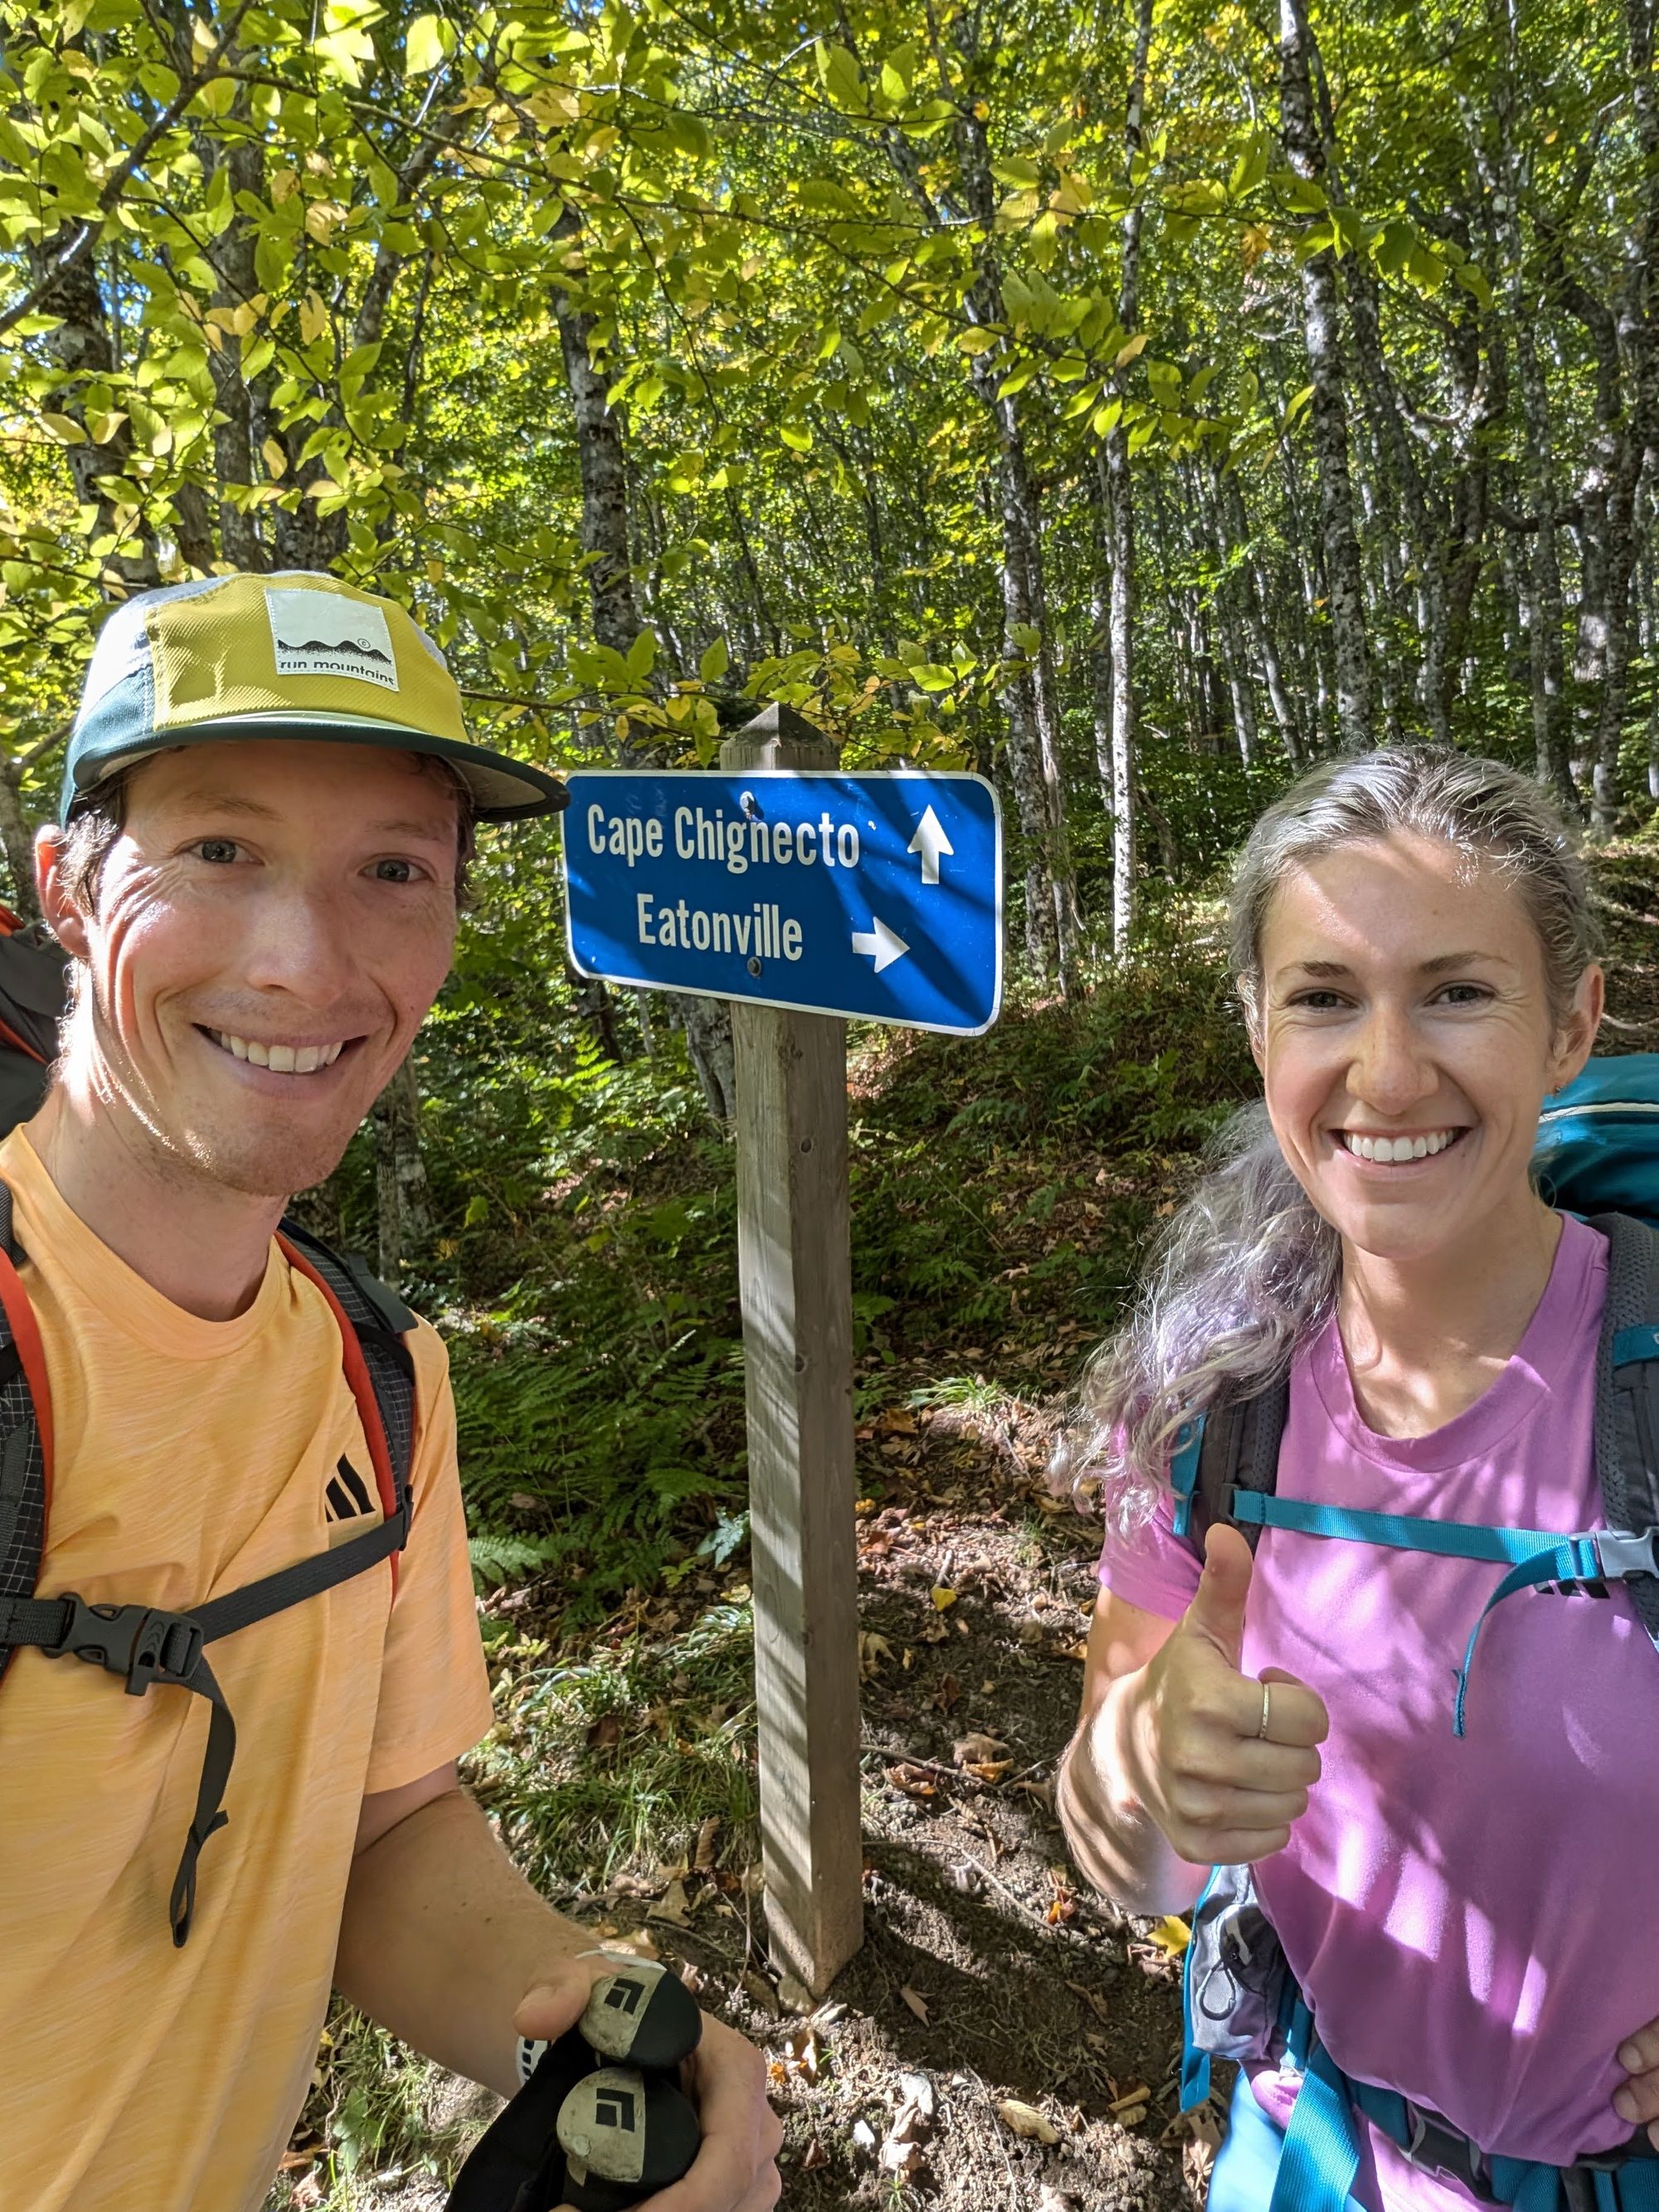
x=136, y=1641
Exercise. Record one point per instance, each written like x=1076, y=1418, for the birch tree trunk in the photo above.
x=1499, y=171
x=1344, y=581
x=1120, y=528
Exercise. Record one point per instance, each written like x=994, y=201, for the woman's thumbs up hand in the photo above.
x=1222, y=1762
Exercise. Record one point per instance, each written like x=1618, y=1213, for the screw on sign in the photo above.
x=600, y=2121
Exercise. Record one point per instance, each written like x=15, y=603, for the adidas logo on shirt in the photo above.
x=349, y=1496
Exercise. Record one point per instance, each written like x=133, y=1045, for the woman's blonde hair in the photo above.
x=1247, y=1270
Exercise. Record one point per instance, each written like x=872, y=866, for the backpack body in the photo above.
x=1598, y=1140
x=146, y=1647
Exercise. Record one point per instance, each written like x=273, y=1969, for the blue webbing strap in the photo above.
x=1183, y=1473
x=1321, y=2157
x=1537, y=1555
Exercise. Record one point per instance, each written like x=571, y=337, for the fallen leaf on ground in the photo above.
x=948, y=1694
x=944, y=1599
x=761, y=1993
x=873, y=1652
x=863, y=2136
x=1171, y=1934
x=917, y=2005
x=916, y=2089
x=671, y=1906
x=813, y=2156
x=692, y=1976
x=975, y=1750
x=987, y=1770
x=915, y=1781
x=604, y=1732
x=804, y=2051
x=703, y=1858
x=1026, y=2120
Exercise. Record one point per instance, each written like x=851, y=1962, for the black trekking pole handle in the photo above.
x=601, y=2121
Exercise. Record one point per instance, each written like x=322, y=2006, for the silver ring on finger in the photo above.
x=1267, y=1702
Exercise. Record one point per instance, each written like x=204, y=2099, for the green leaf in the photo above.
x=797, y=436
x=841, y=78
x=716, y=659
x=641, y=656
x=428, y=41
x=478, y=1210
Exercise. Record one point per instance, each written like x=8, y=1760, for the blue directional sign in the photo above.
x=876, y=896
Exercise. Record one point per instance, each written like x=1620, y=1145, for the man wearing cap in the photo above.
x=268, y=808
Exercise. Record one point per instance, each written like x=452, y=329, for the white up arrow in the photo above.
x=930, y=840
x=885, y=944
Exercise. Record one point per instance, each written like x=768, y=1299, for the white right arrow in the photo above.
x=930, y=840
x=885, y=944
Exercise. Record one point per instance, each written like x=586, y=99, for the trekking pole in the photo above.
x=600, y=2121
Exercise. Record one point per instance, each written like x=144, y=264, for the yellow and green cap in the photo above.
x=295, y=654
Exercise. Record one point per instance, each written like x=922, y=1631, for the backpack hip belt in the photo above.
x=1240, y=2000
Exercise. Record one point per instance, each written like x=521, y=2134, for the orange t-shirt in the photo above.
x=193, y=1456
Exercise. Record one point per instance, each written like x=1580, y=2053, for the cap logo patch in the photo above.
x=325, y=634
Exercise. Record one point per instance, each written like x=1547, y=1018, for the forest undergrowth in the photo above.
x=1004, y=2040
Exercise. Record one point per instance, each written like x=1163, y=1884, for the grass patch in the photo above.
x=615, y=1759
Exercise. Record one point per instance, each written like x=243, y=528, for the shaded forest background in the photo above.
x=1133, y=401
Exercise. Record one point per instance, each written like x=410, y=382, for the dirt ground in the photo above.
x=1003, y=2042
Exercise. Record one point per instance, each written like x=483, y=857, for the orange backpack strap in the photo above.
x=144, y=1645
x=25, y=1434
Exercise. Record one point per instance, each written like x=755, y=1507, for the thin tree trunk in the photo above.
x=17, y=841
x=403, y=1204
x=1500, y=178
x=1121, y=527
x=1344, y=580
x=617, y=623
x=1258, y=618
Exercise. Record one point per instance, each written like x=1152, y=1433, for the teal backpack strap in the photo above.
x=1627, y=1403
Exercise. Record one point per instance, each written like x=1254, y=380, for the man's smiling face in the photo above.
x=262, y=942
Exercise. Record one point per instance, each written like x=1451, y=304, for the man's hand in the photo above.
x=1637, y=2099
x=725, y=2077
x=1221, y=1792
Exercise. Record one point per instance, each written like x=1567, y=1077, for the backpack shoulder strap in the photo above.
x=374, y=1323
x=1628, y=1395
x=1229, y=1447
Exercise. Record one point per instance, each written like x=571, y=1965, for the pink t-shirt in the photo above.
x=1474, y=1921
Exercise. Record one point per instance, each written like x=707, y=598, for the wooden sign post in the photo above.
x=877, y=896
x=795, y=1270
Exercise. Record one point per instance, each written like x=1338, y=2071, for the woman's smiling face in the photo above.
x=1407, y=1041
